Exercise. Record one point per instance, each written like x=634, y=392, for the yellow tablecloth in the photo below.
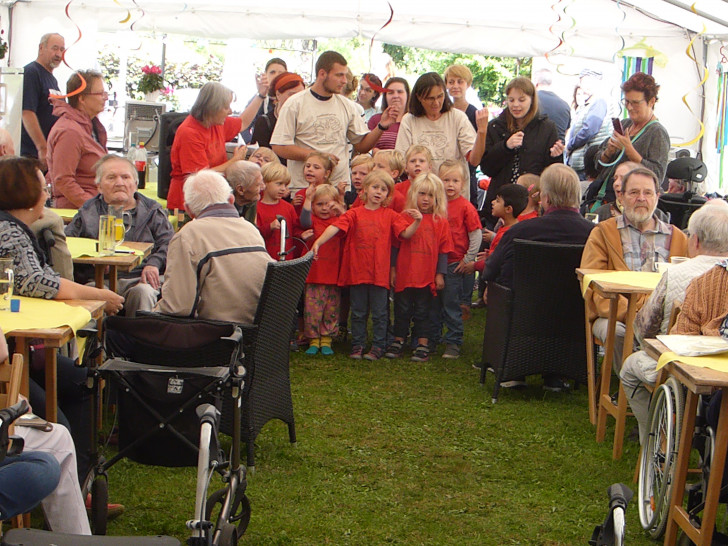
x=714, y=362
x=66, y=214
x=638, y=279
x=40, y=313
x=80, y=246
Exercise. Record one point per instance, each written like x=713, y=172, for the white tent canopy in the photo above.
x=572, y=33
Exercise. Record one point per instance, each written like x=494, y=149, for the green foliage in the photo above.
x=178, y=75
x=490, y=74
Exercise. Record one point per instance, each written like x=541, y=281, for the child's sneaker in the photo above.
x=421, y=354
x=451, y=351
x=356, y=352
x=375, y=353
x=394, y=350
x=312, y=350
x=326, y=350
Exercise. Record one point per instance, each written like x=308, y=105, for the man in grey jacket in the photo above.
x=144, y=220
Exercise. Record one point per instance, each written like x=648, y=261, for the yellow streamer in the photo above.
x=685, y=96
x=649, y=51
x=128, y=13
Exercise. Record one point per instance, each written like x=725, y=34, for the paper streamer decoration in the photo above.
x=690, y=55
x=721, y=133
x=371, y=45
x=632, y=65
x=141, y=16
x=82, y=87
x=660, y=59
x=568, y=50
x=128, y=13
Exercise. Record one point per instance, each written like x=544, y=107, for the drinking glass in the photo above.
x=7, y=278
x=107, y=234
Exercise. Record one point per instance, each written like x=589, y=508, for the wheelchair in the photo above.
x=659, y=456
x=170, y=375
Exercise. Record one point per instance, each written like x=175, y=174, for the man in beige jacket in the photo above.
x=216, y=264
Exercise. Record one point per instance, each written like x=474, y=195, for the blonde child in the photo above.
x=532, y=182
x=317, y=170
x=322, y=296
x=263, y=156
x=467, y=235
x=271, y=205
x=360, y=166
x=365, y=263
x=418, y=160
x=392, y=163
x=420, y=268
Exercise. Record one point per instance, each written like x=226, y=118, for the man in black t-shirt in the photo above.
x=38, y=80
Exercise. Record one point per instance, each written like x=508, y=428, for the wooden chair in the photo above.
x=592, y=379
x=10, y=378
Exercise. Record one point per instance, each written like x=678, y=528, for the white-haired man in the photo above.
x=707, y=245
x=216, y=264
x=246, y=181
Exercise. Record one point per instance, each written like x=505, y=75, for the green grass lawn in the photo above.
x=408, y=453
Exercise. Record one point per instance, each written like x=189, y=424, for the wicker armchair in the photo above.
x=267, y=393
x=538, y=327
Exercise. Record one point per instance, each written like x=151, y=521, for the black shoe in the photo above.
x=555, y=384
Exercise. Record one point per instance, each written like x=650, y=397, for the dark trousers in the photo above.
x=413, y=304
x=366, y=298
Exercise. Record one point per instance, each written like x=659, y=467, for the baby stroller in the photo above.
x=164, y=369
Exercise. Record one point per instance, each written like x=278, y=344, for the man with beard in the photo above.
x=322, y=119
x=633, y=241
x=38, y=81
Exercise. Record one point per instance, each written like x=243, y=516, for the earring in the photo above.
x=31, y=208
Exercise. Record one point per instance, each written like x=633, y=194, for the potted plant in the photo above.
x=151, y=83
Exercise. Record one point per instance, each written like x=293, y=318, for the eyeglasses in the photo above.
x=100, y=93
x=634, y=194
x=633, y=103
x=439, y=97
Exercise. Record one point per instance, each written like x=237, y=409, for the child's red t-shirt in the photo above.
x=403, y=187
x=417, y=257
x=325, y=268
x=368, y=244
x=397, y=202
x=528, y=215
x=463, y=218
x=266, y=214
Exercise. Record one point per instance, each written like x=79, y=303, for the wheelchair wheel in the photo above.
x=239, y=516
x=228, y=535
x=99, y=505
x=658, y=457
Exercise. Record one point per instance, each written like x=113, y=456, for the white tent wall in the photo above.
x=592, y=32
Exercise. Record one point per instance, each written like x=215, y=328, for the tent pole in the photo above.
x=702, y=14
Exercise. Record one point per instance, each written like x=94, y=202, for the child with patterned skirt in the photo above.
x=365, y=264
x=321, y=296
x=420, y=267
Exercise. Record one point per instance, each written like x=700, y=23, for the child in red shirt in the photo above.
x=365, y=263
x=532, y=183
x=392, y=163
x=272, y=205
x=316, y=171
x=510, y=201
x=467, y=235
x=321, y=296
x=360, y=167
x=418, y=160
x=420, y=268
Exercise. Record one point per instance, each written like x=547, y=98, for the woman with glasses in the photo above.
x=644, y=140
x=446, y=131
x=77, y=140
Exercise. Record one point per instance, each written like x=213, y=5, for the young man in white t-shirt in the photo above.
x=321, y=119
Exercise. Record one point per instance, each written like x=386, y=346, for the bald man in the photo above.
x=60, y=256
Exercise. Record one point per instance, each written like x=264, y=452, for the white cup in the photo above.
x=7, y=278
x=678, y=259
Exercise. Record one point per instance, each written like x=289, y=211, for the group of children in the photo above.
x=417, y=237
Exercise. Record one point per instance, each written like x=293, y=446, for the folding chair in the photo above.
x=267, y=382
x=163, y=367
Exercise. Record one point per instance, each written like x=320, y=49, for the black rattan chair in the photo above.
x=538, y=327
x=267, y=392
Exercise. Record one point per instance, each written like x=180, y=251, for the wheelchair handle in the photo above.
x=207, y=413
x=619, y=496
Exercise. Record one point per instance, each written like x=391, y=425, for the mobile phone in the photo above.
x=617, y=126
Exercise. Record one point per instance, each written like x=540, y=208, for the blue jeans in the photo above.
x=366, y=298
x=25, y=480
x=447, y=308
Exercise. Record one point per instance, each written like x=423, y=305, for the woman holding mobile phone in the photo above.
x=642, y=140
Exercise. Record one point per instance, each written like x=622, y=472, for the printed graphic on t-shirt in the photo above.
x=436, y=141
x=328, y=129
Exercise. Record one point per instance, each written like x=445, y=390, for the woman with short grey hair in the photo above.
x=200, y=139
x=246, y=181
